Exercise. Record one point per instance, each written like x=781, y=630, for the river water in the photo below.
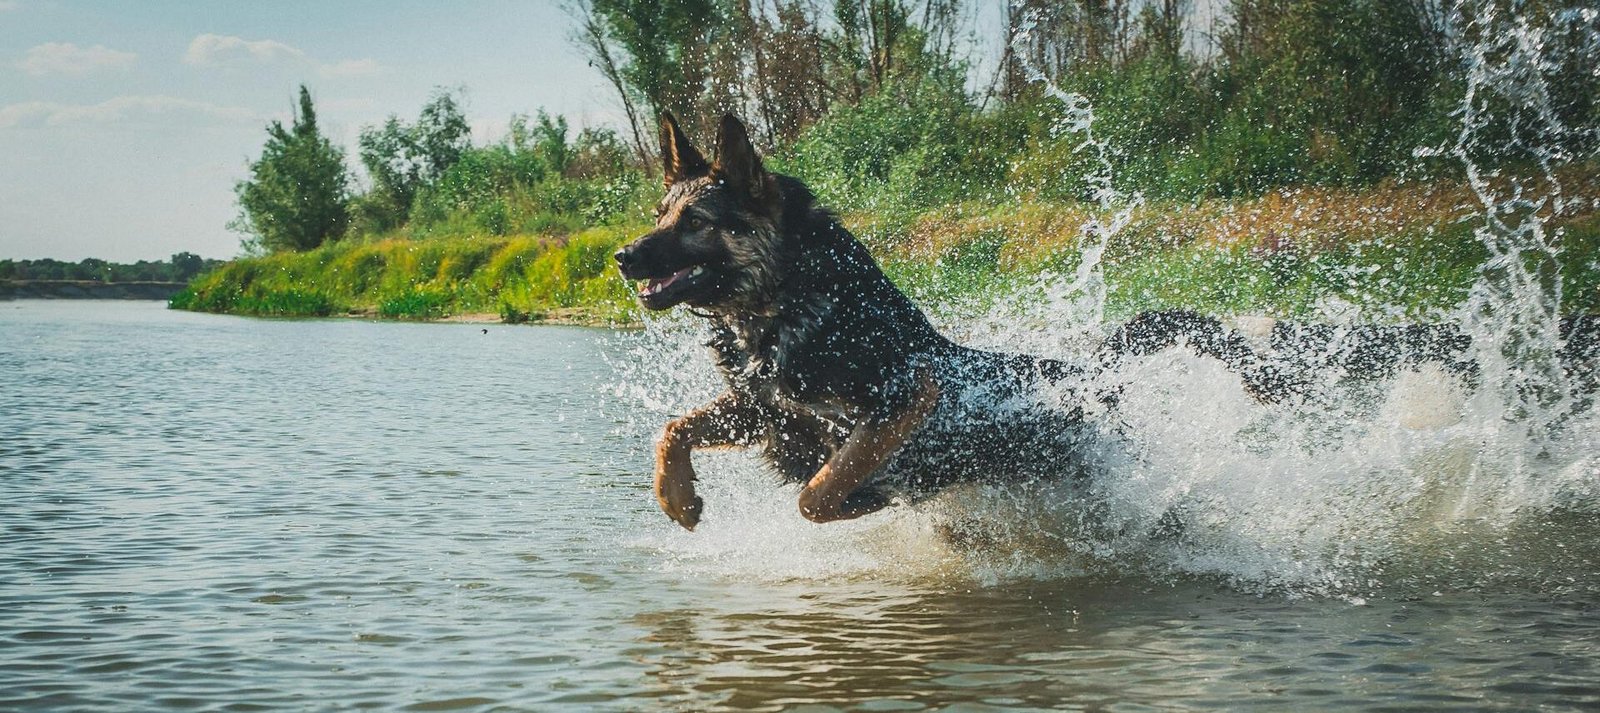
x=208, y=512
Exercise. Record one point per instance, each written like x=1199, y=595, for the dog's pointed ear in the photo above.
x=737, y=160
x=679, y=158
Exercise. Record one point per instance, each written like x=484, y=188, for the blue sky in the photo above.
x=124, y=125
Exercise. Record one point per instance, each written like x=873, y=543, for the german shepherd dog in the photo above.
x=840, y=380
x=830, y=369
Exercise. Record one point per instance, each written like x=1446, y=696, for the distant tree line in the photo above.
x=181, y=267
x=882, y=105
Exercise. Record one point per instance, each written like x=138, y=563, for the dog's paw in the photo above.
x=816, y=507
x=687, y=513
x=675, y=493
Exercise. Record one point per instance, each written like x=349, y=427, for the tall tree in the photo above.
x=661, y=47
x=402, y=158
x=297, y=196
x=780, y=63
x=594, y=39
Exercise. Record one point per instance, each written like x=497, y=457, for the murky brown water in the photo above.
x=205, y=512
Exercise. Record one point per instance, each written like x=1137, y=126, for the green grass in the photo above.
x=516, y=277
x=416, y=304
x=1243, y=257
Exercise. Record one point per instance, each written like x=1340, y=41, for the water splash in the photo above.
x=1514, y=309
x=1074, y=303
x=1419, y=481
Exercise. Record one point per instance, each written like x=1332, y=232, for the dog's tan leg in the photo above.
x=723, y=422
x=865, y=450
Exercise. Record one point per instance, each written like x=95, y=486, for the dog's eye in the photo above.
x=693, y=223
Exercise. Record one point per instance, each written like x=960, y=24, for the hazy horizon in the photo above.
x=125, y=126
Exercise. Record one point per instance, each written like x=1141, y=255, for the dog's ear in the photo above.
x=679, y=159
x=737, y=160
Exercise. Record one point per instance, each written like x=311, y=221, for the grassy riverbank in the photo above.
x=520, y=278
x=1390, y=250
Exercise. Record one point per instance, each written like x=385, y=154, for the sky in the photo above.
x=125, y=125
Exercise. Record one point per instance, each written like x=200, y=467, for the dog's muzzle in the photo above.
x=627, y=261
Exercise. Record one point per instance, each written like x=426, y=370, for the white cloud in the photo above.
x=210, y=50
x=346, y=105
x=70, y=59
x=350, y=68
x=9, y=5
x=115, y=110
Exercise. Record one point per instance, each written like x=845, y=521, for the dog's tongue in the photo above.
x=656, y=284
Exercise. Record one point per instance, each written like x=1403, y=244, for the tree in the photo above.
x=93, y=268
x=184, y=266
x=440, y=135
x=663, y=50
x=403, y=158
x=297, y=196
x=545, y=139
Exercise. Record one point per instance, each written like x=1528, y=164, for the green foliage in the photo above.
x=415, y=304
x=402, y=159
x=242, y=287
x=1314, y=94
x=1580, y=266
x=511, y=315
x=1168, y=256
x=423, y=279
x=917, y=144
x=664, y=44
x=285, y=303
x=428, y=181
x=478, y=183
x=297, y=195
x=1305, y=93
x=1335, y=89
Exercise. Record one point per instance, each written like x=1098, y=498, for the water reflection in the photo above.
x=777, y=646
x=1082, y=647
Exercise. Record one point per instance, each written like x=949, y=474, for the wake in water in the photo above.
x=1398, y=458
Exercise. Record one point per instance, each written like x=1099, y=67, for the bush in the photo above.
x=915, y=144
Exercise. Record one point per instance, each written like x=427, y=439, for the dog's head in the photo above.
x=715, y=244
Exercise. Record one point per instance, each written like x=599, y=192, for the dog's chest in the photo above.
x=761, y=355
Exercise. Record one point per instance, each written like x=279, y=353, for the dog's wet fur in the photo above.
x=842, y=382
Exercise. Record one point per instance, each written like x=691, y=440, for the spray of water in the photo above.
x=1514, y=308
x=1422, y=480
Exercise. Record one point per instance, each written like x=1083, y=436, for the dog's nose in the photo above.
x=623, y=256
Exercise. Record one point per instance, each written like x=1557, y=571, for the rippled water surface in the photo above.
x=221, y=513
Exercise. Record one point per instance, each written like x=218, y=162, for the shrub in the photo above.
x=915, y=144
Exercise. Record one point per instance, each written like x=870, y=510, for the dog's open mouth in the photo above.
x=664, y=292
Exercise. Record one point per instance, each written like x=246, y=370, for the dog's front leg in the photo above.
x=726, y=421
x=827, y=497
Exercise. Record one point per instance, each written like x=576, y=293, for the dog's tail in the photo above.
x=1151, y=332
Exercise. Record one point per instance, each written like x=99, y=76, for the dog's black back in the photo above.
x=843, y=344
